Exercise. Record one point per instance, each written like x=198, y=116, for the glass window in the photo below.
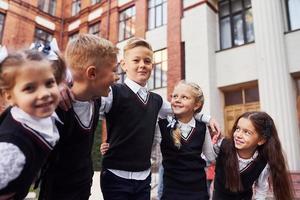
x=293, y=14
x=127, y=23
x=41, y=36
x=95, y=29
x=233, y=98
x=2, y=18
x=95, y=1
x=251, y=95
x=48, y=6
x=242, y=96
x=157, y=13
x=236, y=23
x=76, y=6
x=158, y=77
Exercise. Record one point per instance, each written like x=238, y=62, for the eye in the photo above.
x=185, y=98
x=50, y=83
x=237, y=129
x=29, y=88
x=174, y=96
x=136, y=60
x=148, y=61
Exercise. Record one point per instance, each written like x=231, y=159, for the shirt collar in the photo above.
x=248, y=159
x=191, y=123
x=135, y=87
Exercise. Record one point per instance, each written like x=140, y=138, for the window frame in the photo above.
x=154, y=70
x=231, y=16
x=38, y=39
x=93, y=2
x=124, y=22
x=164, y=2
x=96, y=24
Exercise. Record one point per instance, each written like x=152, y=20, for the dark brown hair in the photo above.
x=271, y=151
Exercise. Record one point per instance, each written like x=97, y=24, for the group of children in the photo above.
x=39, y=139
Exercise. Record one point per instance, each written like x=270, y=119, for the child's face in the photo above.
x=105, y=77
x=35, y=90
x=246, y=139
x=137, y=64
x=183, y=101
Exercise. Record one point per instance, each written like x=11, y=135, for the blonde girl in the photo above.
x=183, y=141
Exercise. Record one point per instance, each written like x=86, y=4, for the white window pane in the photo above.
x=249, y=25
x=294, y=11
x=165, y=11
x=151, y=18
x=164, y=55
x=121, y=31
x=158, y=16
x=158, y=75
x=151, y=3
x=238, y=33
x=225, y=33
x=164, y=74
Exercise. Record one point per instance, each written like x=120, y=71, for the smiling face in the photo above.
x=246, y=139
x=184, y=102
x=35, y=90
x=137, y=64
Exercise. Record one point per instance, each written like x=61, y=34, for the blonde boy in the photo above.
x=92, y=61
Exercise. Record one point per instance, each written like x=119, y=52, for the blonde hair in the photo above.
x=136, y=42
x=10, y=65
x=87, y=49
x=197, y=92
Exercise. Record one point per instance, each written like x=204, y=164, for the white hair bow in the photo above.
x=3, y=53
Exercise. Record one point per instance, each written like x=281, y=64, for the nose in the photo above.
x=44, y=93
x=141, y=63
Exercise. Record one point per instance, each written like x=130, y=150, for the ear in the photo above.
x=91, y=72
x=261, y=141
x=123, y=66
x=197, y=105
x=8, y=97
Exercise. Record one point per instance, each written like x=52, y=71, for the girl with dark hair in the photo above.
x=254, y=152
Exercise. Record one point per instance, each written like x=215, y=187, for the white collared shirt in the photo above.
x=165, y=110
x=12, y=158
x=84, y=111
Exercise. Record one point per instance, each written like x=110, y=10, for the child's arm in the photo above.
x=11, y=164
x=208, y=149
x=261, y=186
x=66, y=97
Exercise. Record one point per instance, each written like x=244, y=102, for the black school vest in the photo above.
x=131, y=127
x=35, y=148
x=184, y=167
x=71, y=161
x=248, y=177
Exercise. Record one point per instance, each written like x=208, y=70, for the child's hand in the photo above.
x=67, y=97
x=214, y=127
x=104, y=148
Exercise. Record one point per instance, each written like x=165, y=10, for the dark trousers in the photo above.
x=179, y=194
x=117, y=188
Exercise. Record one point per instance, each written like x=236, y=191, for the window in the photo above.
x=157, y=13
x=41, y=36
x=76, y=5
x=121, y=74
x=127, y=23
x=293, y=8
x=236, y=23
x=95, y=1
x=95, y=29
x=2, y=18
x=73, y=35
x=47, y=6
x=158, y=77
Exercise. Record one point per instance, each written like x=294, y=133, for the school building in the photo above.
x=243, y=53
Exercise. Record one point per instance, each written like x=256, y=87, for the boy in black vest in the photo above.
x=70, y=171
x=131, y=113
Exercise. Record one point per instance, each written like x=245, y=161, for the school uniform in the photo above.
x=25, y=144
x=131, y=121
x=70, y=171
x=184, y=175
x=253, y=171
